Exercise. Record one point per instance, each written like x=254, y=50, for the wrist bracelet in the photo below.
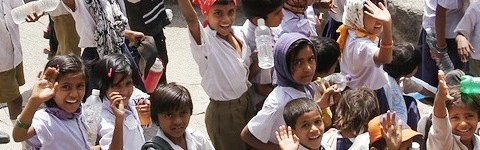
x=22, y=125
x=386, y=46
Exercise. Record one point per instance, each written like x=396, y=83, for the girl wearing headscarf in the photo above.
x=294, y=68
x=362, y=57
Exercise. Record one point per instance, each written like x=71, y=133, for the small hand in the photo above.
x=324, y=100
x=286, y=139
x=465, y=48
x=391, y=130
x=380, y=13
x=407, y=85
x=144, y=108
x=442, y=93
x=34, y=18
x=44, y=88
x=118, y=108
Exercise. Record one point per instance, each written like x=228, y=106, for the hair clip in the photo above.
x=109, y=74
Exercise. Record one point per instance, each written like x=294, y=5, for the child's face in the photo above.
x=70, y=91
x=221, y=17
x=309, y=129
x=124, y=87
x=174, y=123
x=372, y=26
x=274, y=18
x=303, y=66
x=464, y=122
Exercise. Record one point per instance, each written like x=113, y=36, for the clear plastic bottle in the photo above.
x=20, y=13
x=443, y=61
x=153, y=76
x=92, y=109
x=264, y=41
x=339, y=79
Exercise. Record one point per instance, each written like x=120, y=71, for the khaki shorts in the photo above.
x=10, y=81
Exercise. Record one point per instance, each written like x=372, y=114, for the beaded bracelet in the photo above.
x=22, y=125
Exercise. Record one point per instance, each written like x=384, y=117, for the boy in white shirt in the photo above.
x=223, y=59
x=468, y=38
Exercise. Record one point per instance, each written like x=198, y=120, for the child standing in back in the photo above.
x=223, y=59
x=171, y=110
x=113, y=75
x=295, y=67
x=362, y=58
x=271, y=12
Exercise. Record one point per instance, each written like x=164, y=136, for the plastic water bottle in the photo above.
x=443, y=61
x=20, y=13
x=339, y=79
x=92, y=109
x=415, y=146
x=153, y=76
x=264, y=41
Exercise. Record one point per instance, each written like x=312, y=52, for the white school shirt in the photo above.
x=469, y=26
x=395, y=99
x=224, y=72
x=453, y=15
x=441, y=136
x=265, y=75
x=10, y=48
x=357, y=61
x=267, y=120
x=84, y=23
x=132, y=131
x=55, y=133
x=60, y=10
x=330, y=137
x=195, y=139
x=300, y=23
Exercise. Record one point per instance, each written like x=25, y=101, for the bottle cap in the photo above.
x=158, y=65
x=95, y=92
x=260, y=22
x=415, y=146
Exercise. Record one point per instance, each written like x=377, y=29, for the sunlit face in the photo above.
x=221, y=18
x=70, y=91
x=309, y=129
x=124, y=87
x=274, y=18
x=464, y=122
x=371, y=25
x=173, y=124
x=303, y=66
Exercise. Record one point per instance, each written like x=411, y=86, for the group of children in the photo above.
x=288, y=113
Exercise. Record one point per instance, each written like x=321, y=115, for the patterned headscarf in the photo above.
x=353, y=19
x=284, y=77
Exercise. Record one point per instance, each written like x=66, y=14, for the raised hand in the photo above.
x=44, y=88
x=34, y=17
x=117, y=104
x=391, y=131
x=286, y=139
x=379, y=13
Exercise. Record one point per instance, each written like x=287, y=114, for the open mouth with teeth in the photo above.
x=314, y=137
x=71, y=101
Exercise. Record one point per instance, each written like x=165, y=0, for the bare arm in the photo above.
x=442, y=96
x=119, y=112
x=251, y=140
x=440, y=20
x=43, y=90
x=381, y=13
x=191, y=18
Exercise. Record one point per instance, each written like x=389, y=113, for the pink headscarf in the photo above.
x=205, y=6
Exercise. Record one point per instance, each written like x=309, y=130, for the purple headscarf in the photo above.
x=283, y=76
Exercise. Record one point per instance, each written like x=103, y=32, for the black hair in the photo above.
x=327, y=52
x=406, y=57
x=296, y=108
x=169, y=97
x=107, y=68
x=65, y=64
x=294, y=50
x=462, y=99
x=260, y=8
